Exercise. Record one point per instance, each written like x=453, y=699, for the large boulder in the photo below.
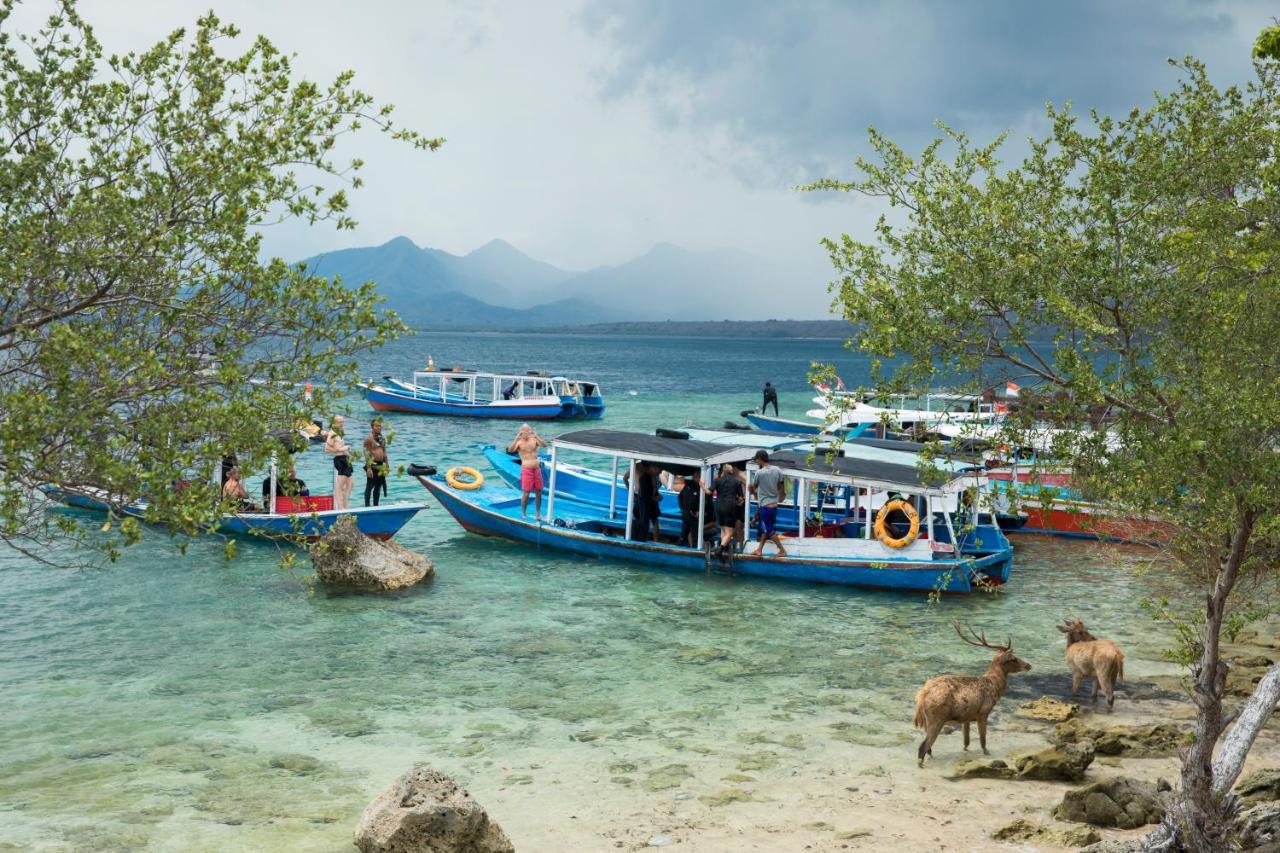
x=346, y=557
x=427, y=812
x=1038, y=833
x=1260, y=785
x=1121, y=802
x=1155, y=741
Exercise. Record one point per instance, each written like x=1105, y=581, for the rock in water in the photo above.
x=1121, y=802
x=1037, y=833
x=346, y=557
x=1049, y=710
x=427, y=812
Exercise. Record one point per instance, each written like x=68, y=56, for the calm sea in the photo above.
x=188, y=702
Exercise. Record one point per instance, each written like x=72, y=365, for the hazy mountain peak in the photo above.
x=497, y=247
x=400, y=244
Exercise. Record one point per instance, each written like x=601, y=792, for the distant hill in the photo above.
x=497, y=285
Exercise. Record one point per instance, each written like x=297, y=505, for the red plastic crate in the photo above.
x=302, y=505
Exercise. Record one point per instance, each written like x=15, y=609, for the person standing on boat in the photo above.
x=647, y=496
x=693, y=493
x=336, y=446
x=376, y=464
x=729, y=502
x=527, y=443
x=770, y=396
x=768, y=489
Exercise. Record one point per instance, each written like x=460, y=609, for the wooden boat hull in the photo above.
x=382, y=399
x=592, y=488
x=378, y=522
x=1064, y=513
x=494, y=511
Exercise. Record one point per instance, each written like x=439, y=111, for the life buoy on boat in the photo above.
x=454, y=478
x=881, y=528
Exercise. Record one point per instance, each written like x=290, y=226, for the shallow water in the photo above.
x=195, y=703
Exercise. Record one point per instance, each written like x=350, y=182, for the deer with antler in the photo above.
x=1089, y=657
x=965, y=698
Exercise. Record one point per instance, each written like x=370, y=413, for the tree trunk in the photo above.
x=1201, y=819
x=1254, y=715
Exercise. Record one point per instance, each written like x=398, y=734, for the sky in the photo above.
x=586, y=131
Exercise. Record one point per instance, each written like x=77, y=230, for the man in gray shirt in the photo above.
x=768, y=489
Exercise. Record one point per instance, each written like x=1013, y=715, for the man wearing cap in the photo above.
x=768, y=489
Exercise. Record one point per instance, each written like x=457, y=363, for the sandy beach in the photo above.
x=866, y=798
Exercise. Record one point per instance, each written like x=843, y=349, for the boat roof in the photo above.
x=871, y=472
x=654, y=448
x=749, y=438
x=482, y=374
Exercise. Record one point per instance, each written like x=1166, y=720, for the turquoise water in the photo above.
x=188, y=702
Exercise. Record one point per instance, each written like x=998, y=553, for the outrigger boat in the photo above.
x=849, y=552
x=529, y=396
x=308, y=517
x=851, y=415
x=980, y=533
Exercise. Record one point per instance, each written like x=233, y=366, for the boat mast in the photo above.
x=613, y=488
x=551, y=486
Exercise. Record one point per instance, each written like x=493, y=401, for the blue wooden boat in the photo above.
x=529, y=396
x=293, y=517
x=980, y=534
x=851, y=555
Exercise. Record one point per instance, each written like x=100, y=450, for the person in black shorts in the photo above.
x=729, y=502
x=336, y=446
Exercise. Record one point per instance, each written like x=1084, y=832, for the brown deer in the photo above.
x=1089, y=657
x=965, y=698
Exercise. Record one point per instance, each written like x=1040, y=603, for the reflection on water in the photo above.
x=192, y=702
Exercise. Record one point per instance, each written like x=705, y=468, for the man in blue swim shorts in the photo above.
x=768, y=489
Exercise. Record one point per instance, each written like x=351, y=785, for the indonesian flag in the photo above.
x=1011, y=390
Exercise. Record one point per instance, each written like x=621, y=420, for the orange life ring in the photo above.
x=454, y=478
x=881, y=528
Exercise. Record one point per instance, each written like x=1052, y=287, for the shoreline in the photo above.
x=867, y=797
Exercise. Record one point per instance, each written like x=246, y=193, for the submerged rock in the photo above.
x=427, y=812
x=346, y=557
x=1155, y=741
x=1038, y=833
x=1049, y=710
x=1115, y=845
x=1121, y=802
x=1260, y=785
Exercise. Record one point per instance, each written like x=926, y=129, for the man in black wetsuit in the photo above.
x=770, y=396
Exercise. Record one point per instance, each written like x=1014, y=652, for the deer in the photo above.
x=965, y=698
x=1087, y=656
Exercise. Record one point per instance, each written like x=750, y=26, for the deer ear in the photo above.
x=1063, y=628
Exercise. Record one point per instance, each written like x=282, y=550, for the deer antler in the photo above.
x=979, y=638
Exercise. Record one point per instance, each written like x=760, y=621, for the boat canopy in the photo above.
x=652, y=448
x=878, y=474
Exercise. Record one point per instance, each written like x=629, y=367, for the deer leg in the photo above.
x=982, y=733
x=1110, y=690
x=1075, y=683
x=1093, y=697
x=926, y=746
x=966, y=736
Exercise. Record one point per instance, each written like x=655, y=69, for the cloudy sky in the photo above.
x=585, y=132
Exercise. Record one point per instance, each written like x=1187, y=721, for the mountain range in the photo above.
x=497, y=285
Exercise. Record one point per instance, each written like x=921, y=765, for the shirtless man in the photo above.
x=526, y=444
